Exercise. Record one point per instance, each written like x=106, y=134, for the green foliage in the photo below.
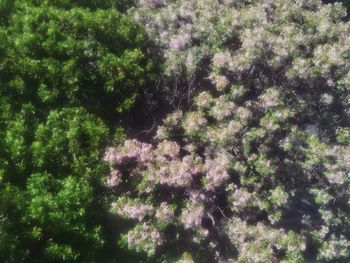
x=343, y=135
x=69, y=73
x=73, y=57
x=91, y=4
x=84, y=136
x=57, y=209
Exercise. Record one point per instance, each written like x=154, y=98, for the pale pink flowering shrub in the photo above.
x=173, y=119
x=335, y=248
x=144, y=238
x=240, y=199
x=132, y=209
x=187, y=38
x=110, y=155
x=162, y=133
x=114, y=179
x=132, y=150
x=222, y=108
x=172, y=173
x=165, y=213
x=192, y=216
x=222, y=60
x=220, y=82
x=194, y=123
x=216, y=170
x=261, y=243
x=167, y=151
x=257, y=169
x=204, y=100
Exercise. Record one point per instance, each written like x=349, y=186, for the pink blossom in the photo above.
x=131, y=148
x=204, y=100
x=194, y=122
x=241, y=198
x=336, y=177
x=173, y=119
x=221, y=59
x=162, y=133
x=110, y=155
x=233, y=127
x=195, y=195
x=271, y=98
x=147, y=154
x=145, y=237
x=243, y=113
x=133, y=209
x=222, y=108
x=220, y=82
x=174, y=174
x=165, y=213
x=179, y=42
x=216, y=171
x=192, y=216
x=168, y=148
x=114, y=178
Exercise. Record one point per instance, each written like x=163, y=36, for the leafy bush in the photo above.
x=346, y=3
x=257, y=170
x=68, y=79
x=91, y=4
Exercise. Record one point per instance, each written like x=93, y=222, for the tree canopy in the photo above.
x=256, y=170
x=70, y=71
x=174, y=131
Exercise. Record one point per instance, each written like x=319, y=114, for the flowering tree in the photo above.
x=258, y=169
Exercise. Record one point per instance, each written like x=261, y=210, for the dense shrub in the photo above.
x=91, y=4
x=68, y=77
x=346, y=3
x=257, y=170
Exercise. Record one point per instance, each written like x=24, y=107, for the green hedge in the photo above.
x=68, y=78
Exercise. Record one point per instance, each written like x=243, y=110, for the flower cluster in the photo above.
x=194, y=123
x=114, y=179
x=261, y=243
x=132, y=150
x=192, y=216
x=144, y=237
x=182, y=27
x=132, y=209
x=165, y=213
x=216, y=170
x=259, y=165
